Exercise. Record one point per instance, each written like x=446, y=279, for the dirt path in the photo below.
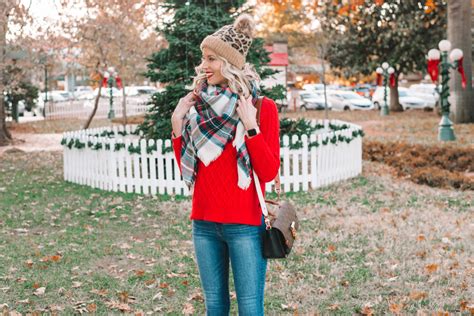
x=28, y=142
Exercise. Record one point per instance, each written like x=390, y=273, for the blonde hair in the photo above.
x=238, y=80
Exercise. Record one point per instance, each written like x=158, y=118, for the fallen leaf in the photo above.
x=76, y=284
x=91, y=308
x=416, y=295
x=157, y=296
x=102, y=292
x=139, y=273
x=188, y=309
x=334, y=307
x=196, y=297
x=331, y=248
x=124, y=307
x=431, y=268
x=39, y=291
x=29, y=263
x=395, y=308
x=421, y=237
x=55, y=258
x=367, y=310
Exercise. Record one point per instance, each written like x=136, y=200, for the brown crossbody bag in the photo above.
x=281, y=228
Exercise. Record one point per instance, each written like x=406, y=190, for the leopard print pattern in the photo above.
x=239, y=41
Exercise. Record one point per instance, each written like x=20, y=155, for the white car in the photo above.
x=407, y=100
x=104, y=93
x=140, y=90
x=349, y=100
x=310, y=100
x=313, y=86
x=425, y=89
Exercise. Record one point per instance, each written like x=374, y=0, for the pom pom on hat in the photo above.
x=232, y=41
x=244, y=24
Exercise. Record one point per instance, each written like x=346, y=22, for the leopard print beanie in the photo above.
x=232, y=41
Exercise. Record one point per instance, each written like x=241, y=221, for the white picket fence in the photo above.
x=83, y=108
x=158, y=172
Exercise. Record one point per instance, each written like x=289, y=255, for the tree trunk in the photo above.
x=394, y=101
x=459, y=34
x=5, y=137
x=94, y=110
x=124, y=105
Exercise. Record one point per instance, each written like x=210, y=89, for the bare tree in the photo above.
x=11, y=12
x=116, y=33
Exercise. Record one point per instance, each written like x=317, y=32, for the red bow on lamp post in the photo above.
x=392, y=79
x=457, y=57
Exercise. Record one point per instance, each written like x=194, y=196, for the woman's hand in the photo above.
x=247, y=112
x=184, y=104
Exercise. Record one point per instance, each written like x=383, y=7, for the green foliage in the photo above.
x=25, y=91
x=175, y=64
x=398, y=32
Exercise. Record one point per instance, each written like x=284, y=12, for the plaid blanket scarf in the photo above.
x=210, y=124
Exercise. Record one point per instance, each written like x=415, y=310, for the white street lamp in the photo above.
x=434, y=54
x=456, y=54
x=444, y=45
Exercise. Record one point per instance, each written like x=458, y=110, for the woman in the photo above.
x=217, y=144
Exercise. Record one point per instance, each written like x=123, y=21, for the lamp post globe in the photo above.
x=434, y=54
x=444, y=45
x=456, y=54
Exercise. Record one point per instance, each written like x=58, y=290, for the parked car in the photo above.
x=104, y=93
x=140, y=90
x=80, y=91
x=313, y=86
x=313, y=101
x=424, y=88
x=349, y=100
x=364, y=90
x=407, y=100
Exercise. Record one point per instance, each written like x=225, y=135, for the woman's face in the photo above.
x=212, y=67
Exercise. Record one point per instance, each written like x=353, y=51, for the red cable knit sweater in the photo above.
x=217, y=198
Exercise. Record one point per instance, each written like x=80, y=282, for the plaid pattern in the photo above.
x=209, y=126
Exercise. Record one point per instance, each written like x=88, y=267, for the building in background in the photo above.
x=279, y=62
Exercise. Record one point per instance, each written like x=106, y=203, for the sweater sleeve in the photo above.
x=177, y=142
x=264, y=148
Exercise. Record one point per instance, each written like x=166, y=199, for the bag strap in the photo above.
x=258, y=106
x=263, y=205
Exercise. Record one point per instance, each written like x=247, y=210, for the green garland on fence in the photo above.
x=299, y=127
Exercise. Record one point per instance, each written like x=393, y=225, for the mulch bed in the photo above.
x=436, y=166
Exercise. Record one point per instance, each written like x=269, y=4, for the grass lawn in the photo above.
x=372, y=244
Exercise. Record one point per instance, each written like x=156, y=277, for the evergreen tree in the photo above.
x=366, y=34
x=175, y=64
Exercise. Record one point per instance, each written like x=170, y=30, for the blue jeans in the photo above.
x=215, y=245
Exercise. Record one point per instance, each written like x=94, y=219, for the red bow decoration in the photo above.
x=119, y=82
x=461, y=71
x=433, y=69
x=392, y=80
x=379, y=79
